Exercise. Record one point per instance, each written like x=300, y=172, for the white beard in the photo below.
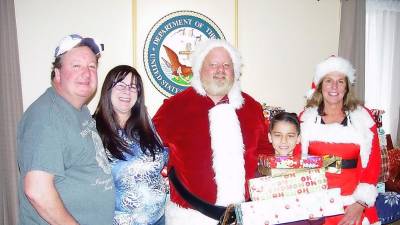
x=217, y=88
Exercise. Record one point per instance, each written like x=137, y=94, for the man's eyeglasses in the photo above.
x=121, y=86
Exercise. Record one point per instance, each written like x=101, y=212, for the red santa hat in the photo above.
x=202, y=50
x=332, y=64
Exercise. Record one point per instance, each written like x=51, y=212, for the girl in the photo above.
x=284, y=133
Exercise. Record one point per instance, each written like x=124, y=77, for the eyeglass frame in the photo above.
x=118, y=85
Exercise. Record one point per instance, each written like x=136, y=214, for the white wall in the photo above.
x=42, y=23
x=281, y=41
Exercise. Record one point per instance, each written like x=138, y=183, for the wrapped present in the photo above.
x=380, y=186
x=294, y=183
x=276, y=165
x=291, y=208
x=382, y=137
x=393, y=182
x=384, y=145
x=274, y=172
x=271, y=111
x=332, y=164
x=384, y=175
x=290, y=162
x=377, y=115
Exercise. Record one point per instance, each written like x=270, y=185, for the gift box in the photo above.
x=290, y=162
x=380, y=186
x=270, y=111
x=282, y=172
x=267, y=164
x=291, y=208
x=377, y=115
x=293, y=183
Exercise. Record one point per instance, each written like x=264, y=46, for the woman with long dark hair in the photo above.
x=134, y=149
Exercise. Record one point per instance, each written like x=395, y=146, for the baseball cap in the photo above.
x=72, y=40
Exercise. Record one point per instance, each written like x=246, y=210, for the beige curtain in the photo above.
x=352, y=39
x=10, y=112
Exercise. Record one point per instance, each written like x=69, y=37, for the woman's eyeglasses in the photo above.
x=121, y=86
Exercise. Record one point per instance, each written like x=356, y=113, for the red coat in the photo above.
x=358, y=140
x=213, y=148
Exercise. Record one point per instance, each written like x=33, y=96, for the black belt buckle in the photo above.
x=349, y=163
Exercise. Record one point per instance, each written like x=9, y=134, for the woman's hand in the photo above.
x=352, y=214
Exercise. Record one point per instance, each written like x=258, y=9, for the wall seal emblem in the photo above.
x=169, y=45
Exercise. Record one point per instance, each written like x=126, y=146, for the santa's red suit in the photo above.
x=213, y=148
x=356, y=140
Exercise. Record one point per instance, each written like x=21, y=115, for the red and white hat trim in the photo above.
x=332, y=64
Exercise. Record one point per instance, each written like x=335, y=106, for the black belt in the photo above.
x=207, y=209
x=346, y=164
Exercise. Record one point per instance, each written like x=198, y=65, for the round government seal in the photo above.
x=169, y=46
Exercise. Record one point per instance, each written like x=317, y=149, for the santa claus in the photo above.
x=214, y=133
x=334, y=123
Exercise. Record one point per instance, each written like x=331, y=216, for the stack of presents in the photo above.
x=290, y=189
x=388, y=201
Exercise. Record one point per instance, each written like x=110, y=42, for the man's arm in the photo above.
x=42, y=194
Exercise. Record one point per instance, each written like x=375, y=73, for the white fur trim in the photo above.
x=332, y=64
x=198, y=56
x=362, y=122
x=176, y=215
x=366, y=193
x=348, y=200
x=357, y=131
x=235, y=97
x=365, y=221
x=228, y=148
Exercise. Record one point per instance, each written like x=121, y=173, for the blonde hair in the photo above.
x=350, y=101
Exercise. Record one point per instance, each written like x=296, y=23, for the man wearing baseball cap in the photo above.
x=65, y=175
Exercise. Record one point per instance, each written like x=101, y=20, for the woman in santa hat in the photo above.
x=335, y=123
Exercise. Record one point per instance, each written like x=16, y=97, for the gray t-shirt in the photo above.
x=55, y=137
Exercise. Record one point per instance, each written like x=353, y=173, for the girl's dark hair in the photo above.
x=137, y=126
x=286, y=117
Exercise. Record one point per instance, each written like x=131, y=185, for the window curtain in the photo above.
x=10, y=112
x=352, y=39
x=383, y=62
